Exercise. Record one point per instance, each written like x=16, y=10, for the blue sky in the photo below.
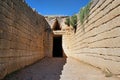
x=57, y=7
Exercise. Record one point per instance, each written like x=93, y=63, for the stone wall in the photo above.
x=97, y=41
x=24, y=36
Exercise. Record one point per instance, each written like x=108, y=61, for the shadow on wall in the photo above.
x=46, y=69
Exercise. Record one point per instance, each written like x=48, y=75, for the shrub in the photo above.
x=81, y=14
x=84, y=13
x=67, y=21
x=73, y=22
x=87, y=10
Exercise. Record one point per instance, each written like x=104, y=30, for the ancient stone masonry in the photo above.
x=58, y=27
x=25, y=36
x=97, y=41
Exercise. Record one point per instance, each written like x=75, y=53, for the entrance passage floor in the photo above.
x=59, y=69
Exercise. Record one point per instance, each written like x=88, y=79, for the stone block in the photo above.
x=99, y=44
x=3, y=70
x=4, y=44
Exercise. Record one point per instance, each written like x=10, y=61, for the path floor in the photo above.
x=59, y=69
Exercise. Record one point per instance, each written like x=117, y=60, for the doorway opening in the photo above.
x=57, y=46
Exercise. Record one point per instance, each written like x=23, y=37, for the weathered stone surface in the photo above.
x=99, y=43
x=22, y=33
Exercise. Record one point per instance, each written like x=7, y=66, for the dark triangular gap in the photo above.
x=56, y=25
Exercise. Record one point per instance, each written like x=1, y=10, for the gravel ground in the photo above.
x=59, y=69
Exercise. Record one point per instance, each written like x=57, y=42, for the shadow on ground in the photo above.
x=46, y=69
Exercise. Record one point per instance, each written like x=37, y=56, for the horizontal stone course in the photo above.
x=105, y=11
x=22, y=32
x=99, y=43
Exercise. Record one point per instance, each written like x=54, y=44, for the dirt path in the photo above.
x=59, y=69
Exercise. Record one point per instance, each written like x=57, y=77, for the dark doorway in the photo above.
x=57, y=47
